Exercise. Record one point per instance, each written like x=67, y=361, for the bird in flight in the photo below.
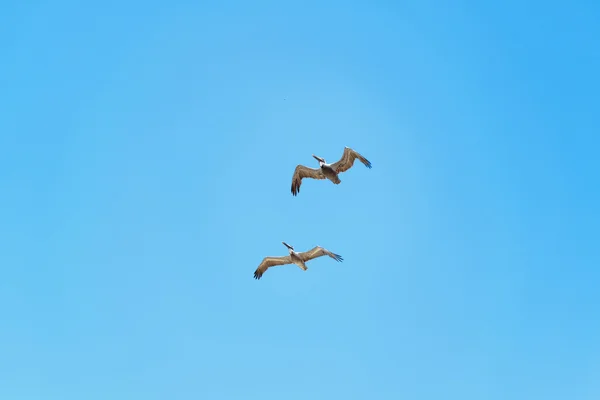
x=294, y=257
x=327, y=171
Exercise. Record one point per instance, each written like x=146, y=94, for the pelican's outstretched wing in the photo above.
x=347, y=160
x=304, y=172
x=268, y=262
x=318, y=251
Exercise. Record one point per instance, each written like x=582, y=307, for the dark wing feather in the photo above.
x=304, y=172
x=269, y=262
x=319, y=251
x=347, y=160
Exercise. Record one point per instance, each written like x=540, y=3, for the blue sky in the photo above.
x=147, y=154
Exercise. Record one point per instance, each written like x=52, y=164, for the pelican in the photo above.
x=327, y=171
x=294, y=258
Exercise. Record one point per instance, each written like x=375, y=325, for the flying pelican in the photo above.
x=327, y=171
x=294, y=258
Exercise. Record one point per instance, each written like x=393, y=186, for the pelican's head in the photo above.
x=288, y=246
x=319, y=159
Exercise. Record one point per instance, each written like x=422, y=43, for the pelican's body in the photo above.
x=299, y=259
x=327, y=171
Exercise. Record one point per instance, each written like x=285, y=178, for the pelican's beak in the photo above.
x=287, y=245
x=318, y=158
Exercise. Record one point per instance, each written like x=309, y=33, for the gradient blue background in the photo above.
x=147, y=150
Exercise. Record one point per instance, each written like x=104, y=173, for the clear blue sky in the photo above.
x=147, y=154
